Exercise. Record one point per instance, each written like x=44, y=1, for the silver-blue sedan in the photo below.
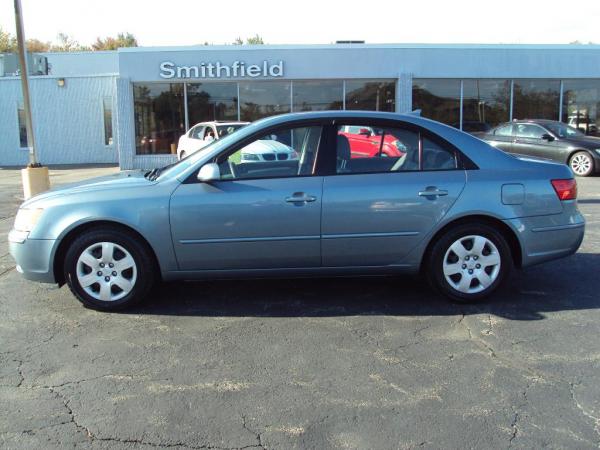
x=349, y=193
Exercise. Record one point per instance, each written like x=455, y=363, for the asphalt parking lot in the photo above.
x=328, y=363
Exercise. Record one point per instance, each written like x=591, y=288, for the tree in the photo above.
x=254, y=40
x=8, y=42
x=37, y=46
x=112, y=43
x=66, y=43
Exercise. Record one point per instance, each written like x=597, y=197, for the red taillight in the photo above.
x=565, y=189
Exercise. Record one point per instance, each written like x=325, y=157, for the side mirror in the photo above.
x=364, y=132
x=209, y=172
x=547, y=137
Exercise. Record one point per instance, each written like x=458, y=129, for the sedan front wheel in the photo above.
x=582, y=164
x=108, y=269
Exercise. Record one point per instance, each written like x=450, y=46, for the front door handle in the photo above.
x=300, y=197
x=432, y=191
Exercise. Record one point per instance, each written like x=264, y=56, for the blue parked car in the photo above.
x=448, y=205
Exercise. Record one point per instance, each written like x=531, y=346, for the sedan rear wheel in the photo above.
x=469, y=262
x=108, y=269
x=582, y=164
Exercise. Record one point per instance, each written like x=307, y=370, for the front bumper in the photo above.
x=33, y=257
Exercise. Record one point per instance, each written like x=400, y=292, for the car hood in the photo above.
x=266, y=146
x=590, y=142
x=121, y=180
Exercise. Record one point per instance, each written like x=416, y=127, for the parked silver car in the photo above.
x=448, y=205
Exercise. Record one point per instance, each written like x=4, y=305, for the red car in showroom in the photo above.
x=368, y=142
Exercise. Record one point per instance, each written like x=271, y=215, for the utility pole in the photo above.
x=35, y=177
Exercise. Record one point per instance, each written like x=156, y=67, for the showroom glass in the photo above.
x=22, y=127
x=282, y=153
x=524, y=130
x=536, y=99
x=260, y=99
x=318, y=95
x=371, y=95
x=159, y=117
x=369, y=149
x=211, y=101
x=486, y=103
x=107, y=116
x=438, y=99
x=581, y=105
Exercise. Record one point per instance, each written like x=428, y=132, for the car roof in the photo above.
x=221, y=122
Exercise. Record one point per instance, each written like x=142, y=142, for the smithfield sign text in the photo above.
x=237, y=69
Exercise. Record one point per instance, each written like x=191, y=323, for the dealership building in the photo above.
x=130, y=106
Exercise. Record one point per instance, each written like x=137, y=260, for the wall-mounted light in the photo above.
x=61, y=82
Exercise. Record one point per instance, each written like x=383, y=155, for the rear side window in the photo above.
x=368, y=149
x=436, y=157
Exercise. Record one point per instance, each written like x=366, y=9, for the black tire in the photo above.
x=139, y=251
x=575, y=163
x=182, y=155
x=434, y=265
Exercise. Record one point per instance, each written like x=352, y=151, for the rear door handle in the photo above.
x=300, y=197
x=432, y=191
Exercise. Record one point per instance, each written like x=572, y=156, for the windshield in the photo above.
x=564, y=131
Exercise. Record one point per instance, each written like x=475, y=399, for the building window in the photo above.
x=318, y=95
x=371, y=95
x=107, y=115
x=536, y=99
x=211, y=101
x=22, y=127
x=486, y=103
x=260, y=99
x=438, y=99
x=581, y=105
x=159, y=117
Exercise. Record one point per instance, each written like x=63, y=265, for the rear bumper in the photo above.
x=546, y=238
x=33, y=257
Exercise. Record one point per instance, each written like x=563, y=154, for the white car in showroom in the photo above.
x=202, y=134
x=264, y=150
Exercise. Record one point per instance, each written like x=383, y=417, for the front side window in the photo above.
x=282, y=153
x=370, y=149
x=565, y=131
x=524, y=130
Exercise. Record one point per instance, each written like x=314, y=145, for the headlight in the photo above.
x=249, y=157
x=27, y=218
x=597, y=150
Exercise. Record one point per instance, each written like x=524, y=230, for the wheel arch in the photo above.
x=579, y=150
x=73, y=233
x=507, y=232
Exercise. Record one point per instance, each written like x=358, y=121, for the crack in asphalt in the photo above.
x=255, y=433
x=586, y=413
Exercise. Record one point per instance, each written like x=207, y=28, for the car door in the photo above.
x=376, y=210
x=529, y=140
x=258, y=215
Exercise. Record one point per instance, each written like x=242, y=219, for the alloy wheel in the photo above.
x=106, y=271
x=471, y=264
x=581, y=164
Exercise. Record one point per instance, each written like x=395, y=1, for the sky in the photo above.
x=187, y=22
